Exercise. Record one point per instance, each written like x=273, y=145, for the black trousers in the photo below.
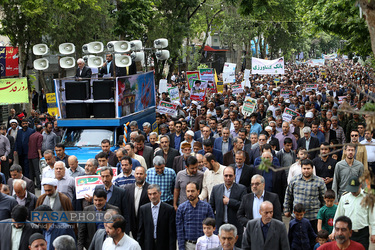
x=34, y=171
x=5, y=169
x=362, y=236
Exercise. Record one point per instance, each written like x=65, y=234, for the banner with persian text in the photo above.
x=13, y=90
x=267, y=67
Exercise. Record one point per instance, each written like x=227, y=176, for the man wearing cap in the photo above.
x=179, y=162
x=189, y=138
x=37, y=242
x=362, y=217
x=13, y=130
x=309, y=118
x=52, y=198
x=14, y=232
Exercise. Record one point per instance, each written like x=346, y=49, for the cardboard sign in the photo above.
x=52, y=104
x=310, y=87
x=341, y=98
x=85, y=185
x=174, y=94
x=288, y=114
x=237, y=88
x=191, y=76
x=114, y=170
x=249, y=106
x=285, y=93
x=163, y=86
x=220, y=86
x=198, y=91
x=229, y=73
x=167, y=108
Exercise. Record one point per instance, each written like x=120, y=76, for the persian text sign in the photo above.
x=8, y=61
x=285, y=93
x=85, y=185
x=51, y=104
x=267, y=67
x=167, y=108
x=209, y=76
x=13, y=90
x=288, y=114
x=174, y=94
x=310, y=87
x=249, y=106
x=237, y=88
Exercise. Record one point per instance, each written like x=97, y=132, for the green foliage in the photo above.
x=265, y=164
x=341, y=18
x=202, y=66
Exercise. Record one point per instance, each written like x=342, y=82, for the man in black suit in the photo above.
x=16, y=173
x=206, y=131
x=19, y=216
x=86, y=231
x=145, y=151
x=243, y=172
x=136, y=196
x=249, y=209
x=225, y=200
x=313, y=143
x=177, y=137
x=275, y=181
x=167, y=151
x=82, y=70
x=115, y=195
x=163, y=236
x=107, y=67
x=335, y=92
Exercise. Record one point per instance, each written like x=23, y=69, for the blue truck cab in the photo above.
x=106, y=107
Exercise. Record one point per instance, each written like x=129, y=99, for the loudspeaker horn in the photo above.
x=67, y=48
x=67, y=62
x=40, y=49
x=162, y=55
x=123, y=60
x=136, y=45
x=138, y=56
x=122, y=47
x=161, y=43
x=95, y=47
x=84, y=48
x=95, y=61
x=41, y=64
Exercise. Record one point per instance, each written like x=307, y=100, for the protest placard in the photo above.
x=229, y=73
x=315, y=62
x=220, y=86
x=85, y=185
x=191, y=76
x=267, y=67
x=288, y=114
x=208, y=75
x=114, y=170
x=341, y=98
x=174, y=94
x=285, y=93
x=310, y=87
x=163, y=86
x=249, y=106
x=236, y=88
x=167, y=108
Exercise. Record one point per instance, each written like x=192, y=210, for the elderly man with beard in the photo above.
x=167, y=152
x=179, y=162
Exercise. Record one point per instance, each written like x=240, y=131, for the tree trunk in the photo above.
x=239, y=59
x=368, y=8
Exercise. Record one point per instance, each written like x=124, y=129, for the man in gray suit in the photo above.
x=265, y=232
x=100, y=235
x=228, y=238
x=226, y=199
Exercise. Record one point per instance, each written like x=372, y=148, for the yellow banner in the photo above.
x=13, y=90
x=52, y=105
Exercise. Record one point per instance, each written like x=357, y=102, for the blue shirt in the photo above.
x=238, y=173
x=109, y=192
x=255, y=128
x=265, y=228
x=99, y=225
x=166, y=182
x=135, y=163
x=123, y=180
x=177, y=141
x=319, y=135
x=256, y=205
x=300, y=233
x=189, y=221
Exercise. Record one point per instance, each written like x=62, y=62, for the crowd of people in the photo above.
x=199, y=181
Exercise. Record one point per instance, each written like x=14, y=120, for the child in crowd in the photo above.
x=327, y=212
x=301, y=234
x=322, y=238
x=209, y=239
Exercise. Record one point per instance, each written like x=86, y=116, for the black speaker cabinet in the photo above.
x=77, y=90
x=104, y=110
x=103, y=89
x=77, y=110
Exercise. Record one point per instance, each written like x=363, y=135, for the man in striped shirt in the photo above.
x=127, y=175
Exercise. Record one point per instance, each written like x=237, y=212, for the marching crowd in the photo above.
x=212, y=176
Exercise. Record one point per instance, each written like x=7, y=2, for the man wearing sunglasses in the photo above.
x=360, y=152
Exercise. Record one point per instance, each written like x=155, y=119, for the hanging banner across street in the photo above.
x=267, y=67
